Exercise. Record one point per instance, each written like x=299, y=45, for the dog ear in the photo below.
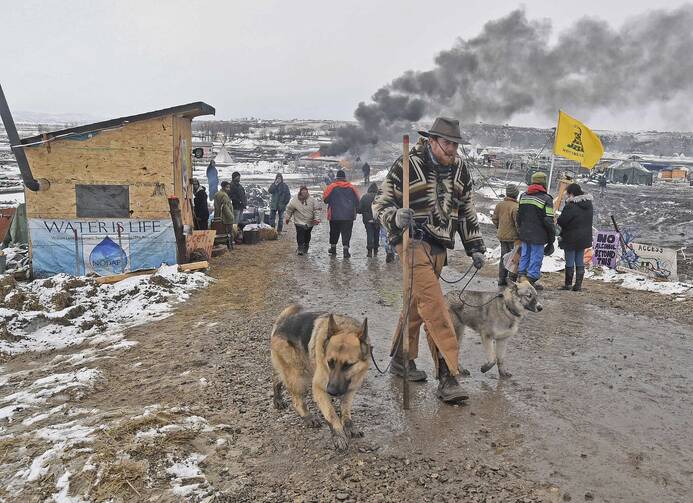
x=363, y=340
x=331, y=326
x=331, y=330
x=363, y=334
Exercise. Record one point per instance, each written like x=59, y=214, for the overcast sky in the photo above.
x=268, y=59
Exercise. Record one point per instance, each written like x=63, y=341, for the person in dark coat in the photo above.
x=281, y=195
x=342, y=204
x=237, y=196
x=200, y=206
x=366, y=170
x=536, y=228
x=369, y=222
x=576, y=234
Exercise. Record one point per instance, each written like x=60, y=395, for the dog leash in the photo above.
x=479, y=306
x=430, y=261
x=381, y=372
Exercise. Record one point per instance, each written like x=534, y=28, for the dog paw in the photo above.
x=465, y=372
x=487, y=366
x=340, y=441
x=312, y=421
x=504, y=374
x=351, y=431
x=280, y=404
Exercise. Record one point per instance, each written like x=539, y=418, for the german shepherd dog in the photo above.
x=328, y=351
x=495, y=317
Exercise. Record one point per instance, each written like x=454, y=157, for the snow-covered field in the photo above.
x=84, y=322
x=63, y=310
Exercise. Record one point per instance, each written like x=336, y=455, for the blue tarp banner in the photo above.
x=103, y=246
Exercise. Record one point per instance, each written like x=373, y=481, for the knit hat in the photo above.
x=341, y=175
x=511, y=190
x=539, y=178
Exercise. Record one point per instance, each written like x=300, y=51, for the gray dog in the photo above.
x=496, y=317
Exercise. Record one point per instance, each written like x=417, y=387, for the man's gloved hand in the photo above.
x=404, y=217
x=478, y=259
x=549, y=249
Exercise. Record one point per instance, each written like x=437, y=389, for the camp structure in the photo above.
x=223, y=158
x=629, y=172
x=103, y=203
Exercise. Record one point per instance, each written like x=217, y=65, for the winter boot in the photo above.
x=397, y=368
x=370, y=253
x=449, y=390
x=568, y=278
x=579, y=276
x=389, y=257
x=332, y=250
x=345, y=252
x=375, y=251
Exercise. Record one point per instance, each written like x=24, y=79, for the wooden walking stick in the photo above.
x=406, y=276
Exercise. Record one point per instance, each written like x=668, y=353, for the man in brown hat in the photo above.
x=440, y=190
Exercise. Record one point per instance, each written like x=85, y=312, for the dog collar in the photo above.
x=513, y=312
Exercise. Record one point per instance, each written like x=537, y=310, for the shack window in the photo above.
x=103, y=201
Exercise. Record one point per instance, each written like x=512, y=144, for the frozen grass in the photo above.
x=63, y=310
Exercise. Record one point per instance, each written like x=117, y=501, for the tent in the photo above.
x=222, y=158
x=630, y=172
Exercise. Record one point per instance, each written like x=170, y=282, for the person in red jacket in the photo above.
x=342, y=204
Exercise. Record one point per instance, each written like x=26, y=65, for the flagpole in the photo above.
x=553, y=155
x=548, y=187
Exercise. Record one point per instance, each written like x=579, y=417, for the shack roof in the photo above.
x=628, y=165
x=189, y=110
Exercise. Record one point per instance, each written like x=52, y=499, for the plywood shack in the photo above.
x=106, y=206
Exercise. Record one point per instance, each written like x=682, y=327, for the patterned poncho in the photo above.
x=441, y=198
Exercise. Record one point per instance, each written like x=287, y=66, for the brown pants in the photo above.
x=428, y=307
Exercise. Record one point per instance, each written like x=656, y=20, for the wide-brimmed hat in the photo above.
x=445, y=127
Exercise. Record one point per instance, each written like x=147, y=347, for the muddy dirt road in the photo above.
x=598, y=407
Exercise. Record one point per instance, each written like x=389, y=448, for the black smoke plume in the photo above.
x=511, y=68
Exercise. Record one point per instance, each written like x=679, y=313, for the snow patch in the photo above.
x=634, y=281
x=42, y=389
x=552, y=263
x=87, y=310
x=192, y=423
x=184, y=472
x=484, y=219
x=63, y=486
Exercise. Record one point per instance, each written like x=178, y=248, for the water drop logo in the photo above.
x=108, y=258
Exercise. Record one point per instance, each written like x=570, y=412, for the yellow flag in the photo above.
x=577, y=142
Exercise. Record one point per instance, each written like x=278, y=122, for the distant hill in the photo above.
x=646, y=142
x=63, y=118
